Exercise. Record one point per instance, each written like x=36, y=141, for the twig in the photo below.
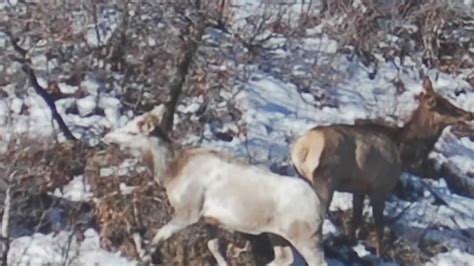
x=435, y=194
x=65, y=251
x=136, y=236
x=465, y=233
x=96, y=22
x=398, y=216
x=6, y=220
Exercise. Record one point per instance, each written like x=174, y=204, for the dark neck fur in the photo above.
x=161, y=134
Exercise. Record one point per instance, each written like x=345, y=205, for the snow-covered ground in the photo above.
x=275, y=113
x=29, y=115
x=62, y=248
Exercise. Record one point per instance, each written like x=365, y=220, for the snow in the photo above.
x=16, y=105
x=111, y=108
x=275, y=114
x=454, y=257
x=39, y=60
x=278, y=114
x=124, y=189
x=360, y=250
x=37, y=121
x=192, y=108
x=76, y=190
x=100, y=33
x=86, y=105
x=452, y=150
x=341, y=201
x=322, y=44
x=91, y=86
x=330, y=229
x=423, y=213
x=40, y=249
x=67, y=89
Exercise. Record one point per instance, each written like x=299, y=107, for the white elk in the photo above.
x=204, y=184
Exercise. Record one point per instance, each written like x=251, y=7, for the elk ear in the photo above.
x=427, y=86
x=147, y=125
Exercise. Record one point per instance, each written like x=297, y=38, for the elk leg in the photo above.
x=357, y=207
x=283, y=256
x=181, y=220
x=378, y=205
x=213, y=243
x=324, y=193
x=311, y=251
x=213, y=246
x=308, y=244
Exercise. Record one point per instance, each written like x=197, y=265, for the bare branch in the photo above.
x=176, y=87
x=40, y=90
x=49, y=101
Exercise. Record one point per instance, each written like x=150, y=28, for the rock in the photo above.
x=457, y=181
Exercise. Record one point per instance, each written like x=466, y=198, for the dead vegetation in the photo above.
x=37, y=169
x=138, y=62
x=43, y=166
x=149, y=50
x=126, y=203
x=437, y=29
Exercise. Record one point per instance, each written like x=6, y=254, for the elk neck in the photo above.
x=418, y=137
x=162, y=152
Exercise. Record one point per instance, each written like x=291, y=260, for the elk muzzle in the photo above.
x=464, y=118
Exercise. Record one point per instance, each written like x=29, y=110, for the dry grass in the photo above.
x=441, y=35
x=42, y=165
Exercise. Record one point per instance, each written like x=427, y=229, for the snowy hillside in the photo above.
x=251, y=103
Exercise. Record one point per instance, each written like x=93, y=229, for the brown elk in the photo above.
x=211, y=186
x=367, y=159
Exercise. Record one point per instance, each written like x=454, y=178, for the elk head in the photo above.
x=144, y=138
x=434, y=114
x=149, y=122
x=159, y=150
